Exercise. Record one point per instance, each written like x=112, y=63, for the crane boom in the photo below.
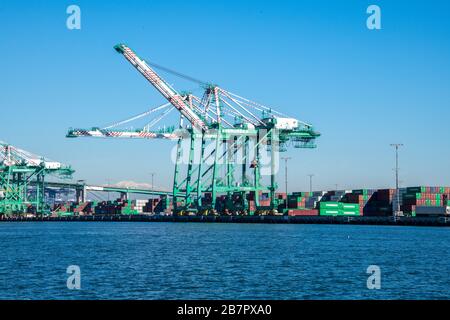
x=111, y=133
x=163, y=87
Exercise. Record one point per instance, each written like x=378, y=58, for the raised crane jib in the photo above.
x=163, y=87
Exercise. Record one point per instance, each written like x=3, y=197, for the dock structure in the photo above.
x=387, y=221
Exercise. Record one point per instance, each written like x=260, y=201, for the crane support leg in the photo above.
x=257, y=174
x=215, y=168
x=274, y=144
x=175, y=175
x=189, y=172
x=199, y=178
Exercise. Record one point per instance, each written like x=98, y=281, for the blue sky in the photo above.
x=315, y=60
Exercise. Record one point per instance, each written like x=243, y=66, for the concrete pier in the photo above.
x=399, y=221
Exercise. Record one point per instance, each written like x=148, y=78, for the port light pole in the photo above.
x=397, y=146
x=153, y=175
x=108, y=184
x=286, y=178
x=310, y=181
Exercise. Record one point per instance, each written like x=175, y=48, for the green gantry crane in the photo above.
x=226, y=143
x=20, y=171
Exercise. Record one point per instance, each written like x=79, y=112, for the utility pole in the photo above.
x=396, y=146
x=108, y=181
x=310, y=181
x=286, y=178
x=153, y=174
x=153, y=188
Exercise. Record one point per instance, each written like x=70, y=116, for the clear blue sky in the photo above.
x=314, y=60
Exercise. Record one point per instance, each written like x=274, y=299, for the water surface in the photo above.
x=133, y=260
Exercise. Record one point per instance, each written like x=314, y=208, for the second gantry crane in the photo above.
x=226, y=143
x=22, y=172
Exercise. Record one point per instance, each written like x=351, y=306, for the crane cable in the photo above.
x=176, y=73
x=166, y=105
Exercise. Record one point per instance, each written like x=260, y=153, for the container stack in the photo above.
x=329, y=208
x=334, y=195
x=127, y=208
x=251, y=201
x=115, y=207
x=221, y=203
x=264, y=200
x=237, y=201
x=140, y=204
x=281, y=200
x=207, y=199
x=413, y=201
x=380, y=203
x=308, y=200
x=313, y=198
x=164, y=205
x=107, y=208
x=362, y=197
x=83, y=208
x=425, y=201
x=150, y=206
x=296, y=201
x=333, y=208
x=349, y=209
x=63, y=209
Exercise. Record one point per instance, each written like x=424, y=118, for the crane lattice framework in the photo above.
x=225, y=135
x=19, y=170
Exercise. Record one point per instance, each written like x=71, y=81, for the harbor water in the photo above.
x=133, y=260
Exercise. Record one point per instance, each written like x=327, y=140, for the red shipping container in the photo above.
x=310, y=212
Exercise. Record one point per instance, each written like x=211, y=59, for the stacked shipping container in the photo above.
x=333, y=208
x=367, y=202
x=425, y=200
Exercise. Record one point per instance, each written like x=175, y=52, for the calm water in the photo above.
x=222, y=261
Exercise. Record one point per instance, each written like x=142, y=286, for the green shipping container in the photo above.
x=360, y=192
x=415, y=189
x=65, y=214
x=329, y=205
x=329, y=212
x=349, y=206
x=349, y=213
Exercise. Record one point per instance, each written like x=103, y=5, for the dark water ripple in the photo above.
x=222, y=261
